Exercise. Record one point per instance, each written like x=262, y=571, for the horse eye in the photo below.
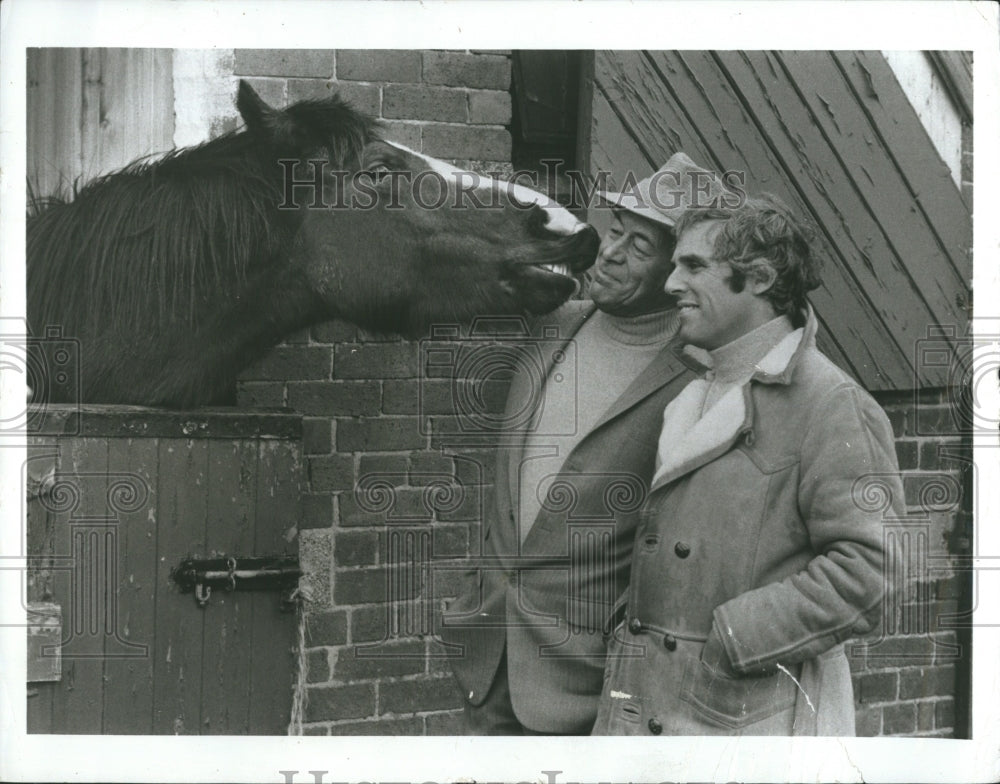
x=377, y=172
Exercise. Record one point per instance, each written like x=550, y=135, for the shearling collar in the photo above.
x=690, y=439
x=778, y=365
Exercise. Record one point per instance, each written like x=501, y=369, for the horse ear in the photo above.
x=255, y=113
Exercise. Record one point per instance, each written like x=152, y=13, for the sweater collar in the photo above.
x=644, y=330
x=777, y=366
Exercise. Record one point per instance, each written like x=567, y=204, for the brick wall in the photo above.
x=907, y=676
x=386, y=480
x=360, y=396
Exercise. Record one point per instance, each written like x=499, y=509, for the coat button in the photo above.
x=670, y=642
x=635, y=626
x=655, y=727
x=682, y=550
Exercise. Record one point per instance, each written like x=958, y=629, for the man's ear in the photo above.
x=760, y=276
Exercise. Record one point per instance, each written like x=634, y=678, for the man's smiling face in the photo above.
x=711, y=313
x=632, y=266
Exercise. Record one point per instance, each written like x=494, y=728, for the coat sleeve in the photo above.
x=848, y=485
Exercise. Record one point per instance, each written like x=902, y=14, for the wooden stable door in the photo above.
x=118, y=497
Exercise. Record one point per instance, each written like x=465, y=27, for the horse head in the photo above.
x=175, y=273
x=395, y=240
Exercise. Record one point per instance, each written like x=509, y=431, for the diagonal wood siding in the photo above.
x=834, y=136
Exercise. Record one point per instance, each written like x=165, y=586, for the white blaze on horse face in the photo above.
x=561, y=220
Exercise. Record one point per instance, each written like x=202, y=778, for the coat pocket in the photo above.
x=735, y=703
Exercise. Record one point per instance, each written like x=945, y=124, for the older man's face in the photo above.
x=632, y=267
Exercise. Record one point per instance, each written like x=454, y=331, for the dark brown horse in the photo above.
x=174, y=274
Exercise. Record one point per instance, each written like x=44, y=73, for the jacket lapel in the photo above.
x=663, y=369
x=568, y=324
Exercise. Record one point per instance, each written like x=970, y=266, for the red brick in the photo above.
x=326, y=628
x=934, y=420
x=416, y=397
x=876, y=687
x=423, y=102
x=369, y=624
x=450, y=541
x=291, y=363
x=909, y=651
x=475, y=466
x=489, y=107
x=379, y=65
x=899, y=719
x=934, y=455
x=414, y=726
x=470, y=506
x=408, y=134
x=317, y=510
x=334, y=332
x=907, y=453
x=393, y=659
x=925, y=716
x=869, y=722
x=451, y=723
x=355, y=548
x=283, y=62
x=360, y=586
x=421, y=695
x=317, y=436
x=331, y=472
x=467, y=70
x=260, y=394
x=315, y=729
x=430, y=467
x=383, y=465
x=944, y=714
x=375, y=360
x=927, y=682
x=364, y=98
x=932, y=492
x=335, y=398
x=326, y=703
x=457, y=141
x=384, y=434
x=318, y=665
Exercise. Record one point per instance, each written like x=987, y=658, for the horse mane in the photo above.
x=182, y=229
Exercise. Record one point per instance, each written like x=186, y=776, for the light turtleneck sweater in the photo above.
x=610, y=353
x=733, y=364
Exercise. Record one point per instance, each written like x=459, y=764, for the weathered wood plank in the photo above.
x=897, y=213
x=896, y=122
x=179, y=621
x=279, y=471
x=77, y=706
x=54, y=100
x=870, y=304
x=128, y=671
x=638, y=74
x=231, y=493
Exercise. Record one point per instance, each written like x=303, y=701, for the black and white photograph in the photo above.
x=428, y=392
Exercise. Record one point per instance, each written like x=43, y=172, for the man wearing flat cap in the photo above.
x=557, y=538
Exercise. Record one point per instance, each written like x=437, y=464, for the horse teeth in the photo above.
x=558, y=269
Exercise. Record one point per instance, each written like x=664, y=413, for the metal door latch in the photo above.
x=260, y=573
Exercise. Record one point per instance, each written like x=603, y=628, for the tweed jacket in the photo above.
x=758, y=554
x=547, y=601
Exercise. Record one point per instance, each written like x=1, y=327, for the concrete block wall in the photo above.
x=379, y=441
